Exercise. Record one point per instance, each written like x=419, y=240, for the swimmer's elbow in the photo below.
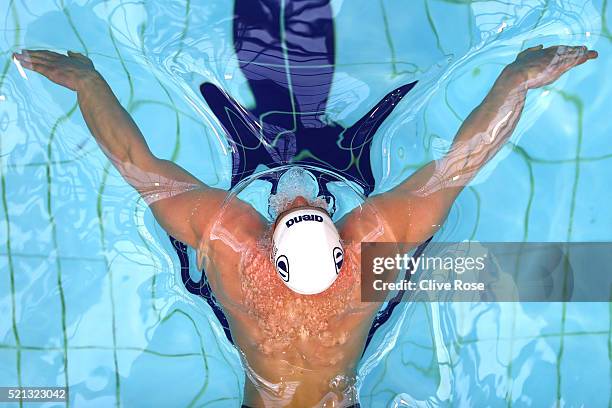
x=415, y=221
x=421, y=232
x=141, y=157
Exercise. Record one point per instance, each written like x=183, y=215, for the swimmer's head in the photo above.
x=307, y=252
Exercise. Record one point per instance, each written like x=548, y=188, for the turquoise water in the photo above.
x=90, y=294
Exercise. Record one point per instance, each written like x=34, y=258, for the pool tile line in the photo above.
x=155, y=267
x=395, y=63
x=218, y=344
x=509, y=368
x=202, y=390
x=461, y=341
x=375, y=391
x=125, y=70
x=172, y=105
x=11, y=269
x=7, y=220
x=432, y=25
x=103, y=348
x=430, y=371
x=222, y=399
x=48, y=257
x=566, y=161
x=66, y=12
x=388, y=37
x=109, y=272
x=181, y=39
x=579, y=106
x=137, y=103
x=52, y=223
x=605, y=32
x=477, y=217
x=174, y=156
x=528, y=162
x=58, y=264
x=385, y=369
x=99, y=210
x=130, y=109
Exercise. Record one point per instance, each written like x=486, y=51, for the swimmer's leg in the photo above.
x=310, y=47
x=286, y=51
x=347, y=151
x=260, y=49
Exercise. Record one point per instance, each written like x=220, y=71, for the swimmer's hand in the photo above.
x=70, y=71
x=538, y=66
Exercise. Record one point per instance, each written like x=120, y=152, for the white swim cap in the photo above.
x=307, y=252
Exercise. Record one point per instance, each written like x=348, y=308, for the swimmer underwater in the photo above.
x=291, y=290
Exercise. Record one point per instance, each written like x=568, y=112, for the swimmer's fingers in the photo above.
x=49, y=56
x=559, y=53
x=35, y=60
x=592, y=54
x=42, y=69
x=55, y=70
x=43, y=55
x=32, y=62
x=578, y=55
x=567, y=58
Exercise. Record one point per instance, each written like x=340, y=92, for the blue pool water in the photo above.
x=90, y=292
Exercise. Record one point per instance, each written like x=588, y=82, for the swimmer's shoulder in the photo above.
x=364, y=224
x=233, y=230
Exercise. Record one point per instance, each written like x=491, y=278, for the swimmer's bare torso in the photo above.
x=299, y=350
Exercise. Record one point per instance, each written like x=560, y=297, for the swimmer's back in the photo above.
x=308, y=345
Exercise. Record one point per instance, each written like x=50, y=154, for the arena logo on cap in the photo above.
x=300, y=218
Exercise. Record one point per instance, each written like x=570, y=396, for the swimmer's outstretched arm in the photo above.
x=181, y=203
x=415, y=209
